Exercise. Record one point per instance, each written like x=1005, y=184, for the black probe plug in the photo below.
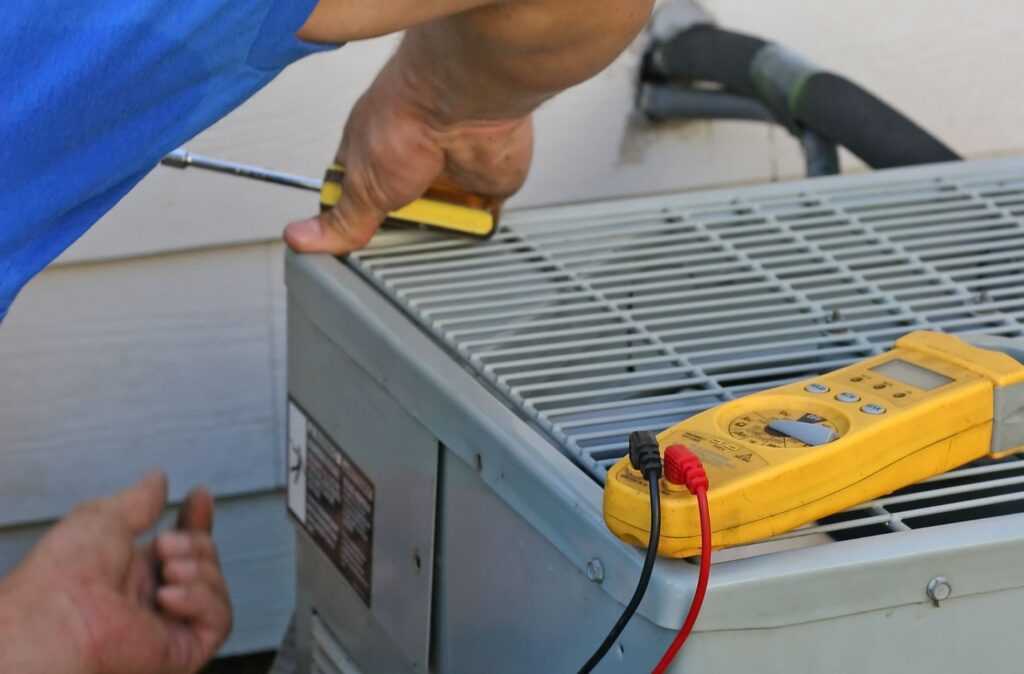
x=644, y=455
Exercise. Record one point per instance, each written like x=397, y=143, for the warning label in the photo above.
x=332, y=498
x=723, y=458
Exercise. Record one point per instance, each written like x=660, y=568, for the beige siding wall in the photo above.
x=158, y=340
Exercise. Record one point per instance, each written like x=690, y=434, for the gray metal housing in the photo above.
x=800, y=278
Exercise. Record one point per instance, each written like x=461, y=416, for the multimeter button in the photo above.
x=873, y=409
x=847, y=397
x=809, y=434
x=816, y=388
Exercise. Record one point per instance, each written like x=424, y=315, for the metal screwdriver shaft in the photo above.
x=441, y=208
x=183, y=159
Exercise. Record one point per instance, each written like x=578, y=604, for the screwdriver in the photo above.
x=443, y=207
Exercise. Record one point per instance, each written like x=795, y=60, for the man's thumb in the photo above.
x=348, y=226
x=141, y=505
x=338, y=231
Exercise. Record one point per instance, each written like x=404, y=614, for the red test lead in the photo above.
x=683, y=467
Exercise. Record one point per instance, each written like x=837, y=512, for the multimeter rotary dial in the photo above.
x=784, y=428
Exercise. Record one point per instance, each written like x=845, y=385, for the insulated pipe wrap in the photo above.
x=840, y=110
x=661, y=102
x=800, y=94
x=712, y=54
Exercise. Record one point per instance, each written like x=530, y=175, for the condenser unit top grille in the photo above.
x=595, y=320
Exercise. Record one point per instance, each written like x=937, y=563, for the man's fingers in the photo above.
x=206, y=611
x=196, y=512
x=179, y=544
x=140, y=506
x=186, y=571
x=196, y=601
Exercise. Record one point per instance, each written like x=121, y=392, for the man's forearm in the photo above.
x=503, y=60
x=487, y=59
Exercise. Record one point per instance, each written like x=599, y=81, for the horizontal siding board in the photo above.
x=109, y=370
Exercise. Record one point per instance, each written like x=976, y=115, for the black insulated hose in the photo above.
x=802, y=96
x=868, y=127
x=710, y=54
x=663, y=103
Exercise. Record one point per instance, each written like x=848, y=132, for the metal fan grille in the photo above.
x=592, y=321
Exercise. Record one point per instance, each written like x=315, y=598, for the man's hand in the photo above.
x=454, y=102
x=396, y=145
x=90, y=600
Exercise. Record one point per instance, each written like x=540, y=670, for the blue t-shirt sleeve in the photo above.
x=95, y=93
x=276, y=44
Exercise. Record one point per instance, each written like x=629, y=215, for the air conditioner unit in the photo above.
x=455, y=405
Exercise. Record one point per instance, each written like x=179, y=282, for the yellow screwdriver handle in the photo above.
x=442, y=207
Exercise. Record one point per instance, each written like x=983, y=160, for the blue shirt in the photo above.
x=94, y=92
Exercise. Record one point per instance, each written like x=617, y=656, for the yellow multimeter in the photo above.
x=443, y=207
x=785, y=457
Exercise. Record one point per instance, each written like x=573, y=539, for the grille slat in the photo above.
x=597, y=319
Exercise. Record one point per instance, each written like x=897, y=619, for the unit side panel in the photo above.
x=395, y=461
x=509, y=602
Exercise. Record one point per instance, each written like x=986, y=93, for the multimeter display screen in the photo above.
x=915, y=375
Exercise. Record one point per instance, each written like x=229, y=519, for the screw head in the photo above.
x=595, y=571
x=939, y=589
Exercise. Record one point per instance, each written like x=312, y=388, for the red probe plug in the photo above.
x=684, y=467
